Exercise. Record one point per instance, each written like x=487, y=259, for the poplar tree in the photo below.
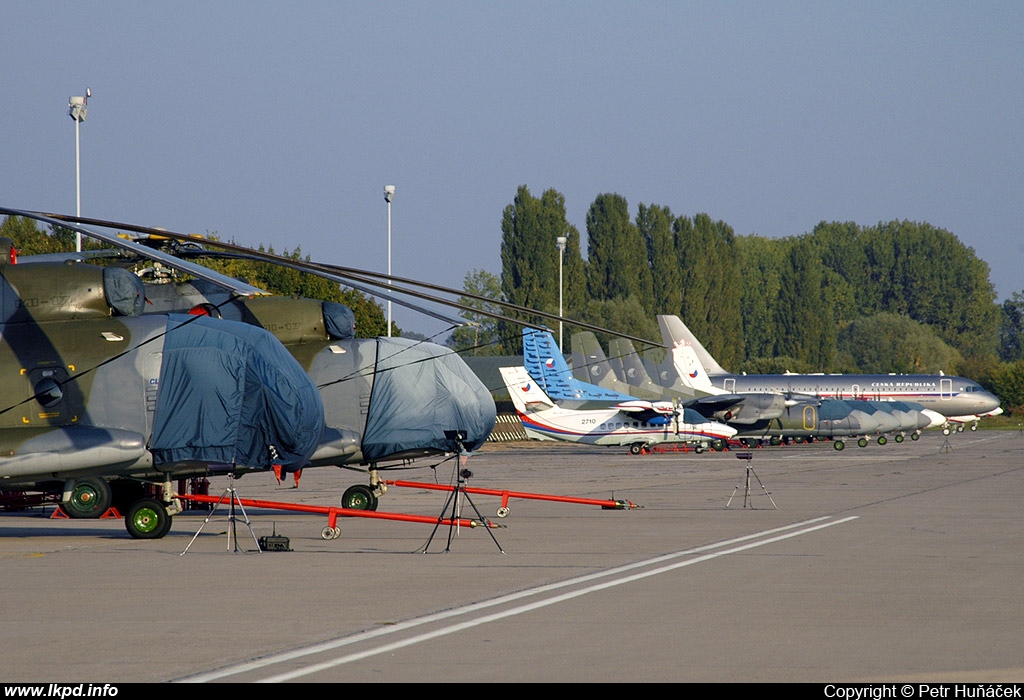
x=711, y=285
x=617, y=265
x=654, y=224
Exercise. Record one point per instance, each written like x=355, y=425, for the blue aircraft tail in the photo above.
x=546, y=364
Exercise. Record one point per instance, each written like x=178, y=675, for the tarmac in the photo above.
x=884, y=564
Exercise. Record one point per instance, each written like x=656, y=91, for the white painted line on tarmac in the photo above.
x=705, y=553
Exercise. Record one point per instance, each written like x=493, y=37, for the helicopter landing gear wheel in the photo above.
x=89, y=498
x=359, y=497
x=147, y=520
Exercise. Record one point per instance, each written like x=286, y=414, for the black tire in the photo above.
x=898, y=438
x=775, y=440
x=125, y=493
x=915, y=436
x=718, y=445
x=90, y=498
x=862, y=442
x=838, y=445
x=636, y=448
x=882, y=440
x=147, y=519
x=359, y=497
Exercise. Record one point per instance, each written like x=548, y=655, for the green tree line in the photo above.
x=898, y=296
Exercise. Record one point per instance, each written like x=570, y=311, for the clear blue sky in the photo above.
x=280, y=123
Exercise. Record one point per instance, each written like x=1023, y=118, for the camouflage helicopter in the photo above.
x=117, y=387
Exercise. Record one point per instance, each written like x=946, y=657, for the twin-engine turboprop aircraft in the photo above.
x=554, y=405
x=635, y=423
x=115, y=388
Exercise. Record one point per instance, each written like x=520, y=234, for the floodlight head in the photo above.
x=77, y=108
x=560, y=242
x=389, y=193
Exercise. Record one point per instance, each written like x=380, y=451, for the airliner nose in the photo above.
x=987, y=401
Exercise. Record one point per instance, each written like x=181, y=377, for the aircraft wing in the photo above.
x=648, y=411
x=714, y=406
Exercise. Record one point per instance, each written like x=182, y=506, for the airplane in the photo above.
x=957, y=399
x=635, y=423
x=759, y=416
x=117, y=387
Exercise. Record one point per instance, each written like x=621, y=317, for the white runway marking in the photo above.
x=616, y=577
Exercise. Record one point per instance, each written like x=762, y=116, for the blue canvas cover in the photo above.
x=124, y=291
x=231, y=394
x=421, y=390
x=339, y=320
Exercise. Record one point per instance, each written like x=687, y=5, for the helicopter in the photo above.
x=118, y=386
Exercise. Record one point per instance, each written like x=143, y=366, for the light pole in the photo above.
x=560, y=242
x=78, y=107
x=389, y=194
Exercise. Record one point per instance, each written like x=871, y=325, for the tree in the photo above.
x=654, y=224
x=760, y=261
x=1007, y=382
x=711, y=285
x=1011, y=328
x=927, y=274
x=806, y=330
x=530, y=229
x=622, y=316
x=483, y=335
x=889, y=342
x=617, y=266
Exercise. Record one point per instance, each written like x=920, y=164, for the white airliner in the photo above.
x=957, y=399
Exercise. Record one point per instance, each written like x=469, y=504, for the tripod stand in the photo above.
x=455, y=497
x=231, y=494
x=746, y=491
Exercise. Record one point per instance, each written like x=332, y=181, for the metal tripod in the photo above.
x=231, y=495
x=455, y=497
x=746, y=490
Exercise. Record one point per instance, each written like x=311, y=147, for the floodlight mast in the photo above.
x=78, y=107
x=389, y=194
x=560, y=242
